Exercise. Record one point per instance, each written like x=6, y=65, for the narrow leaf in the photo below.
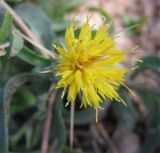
x=6, y=26
x=3, y=127
x=126, y=116
x=33, y=58
x=6, y=97
x=149, y=62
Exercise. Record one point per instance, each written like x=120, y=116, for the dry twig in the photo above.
x=45, y=52
x=107, y=138
x=95, y=146
x=47, y=126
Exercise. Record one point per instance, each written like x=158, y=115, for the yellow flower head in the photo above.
x=90, y=65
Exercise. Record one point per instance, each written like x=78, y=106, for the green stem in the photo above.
x=72, y=124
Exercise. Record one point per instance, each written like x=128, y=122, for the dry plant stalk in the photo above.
x=44, y=147
x=32, y=38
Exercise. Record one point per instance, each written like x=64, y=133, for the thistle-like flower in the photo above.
x=90, y=65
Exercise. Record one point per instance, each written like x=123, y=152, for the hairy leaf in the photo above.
x=8, y=92
x=38, y=22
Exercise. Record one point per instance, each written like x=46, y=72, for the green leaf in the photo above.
x=102, y=12
x=29, y=134
x=54, y=8
x=33, y=58
x=27, y=152
x=149, y=62
x=85, y=115
x=17, y=43
x=6, y=26
x=58, y=135
x=23, y=99
x=14, y=1
x=38, y=22
x=14, y=83
x=105, y=16
x=59, y=25
x=126, y=116
x=73, y=5
x=34, y=124
x=129, y=22
x=3, y=127
x=152, y=136
x=82, y=116
x=57, y=9
x=151, y=101
x=14, y=139
x=69, y=150
x=6, y=97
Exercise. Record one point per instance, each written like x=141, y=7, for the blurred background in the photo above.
x=25, y=94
